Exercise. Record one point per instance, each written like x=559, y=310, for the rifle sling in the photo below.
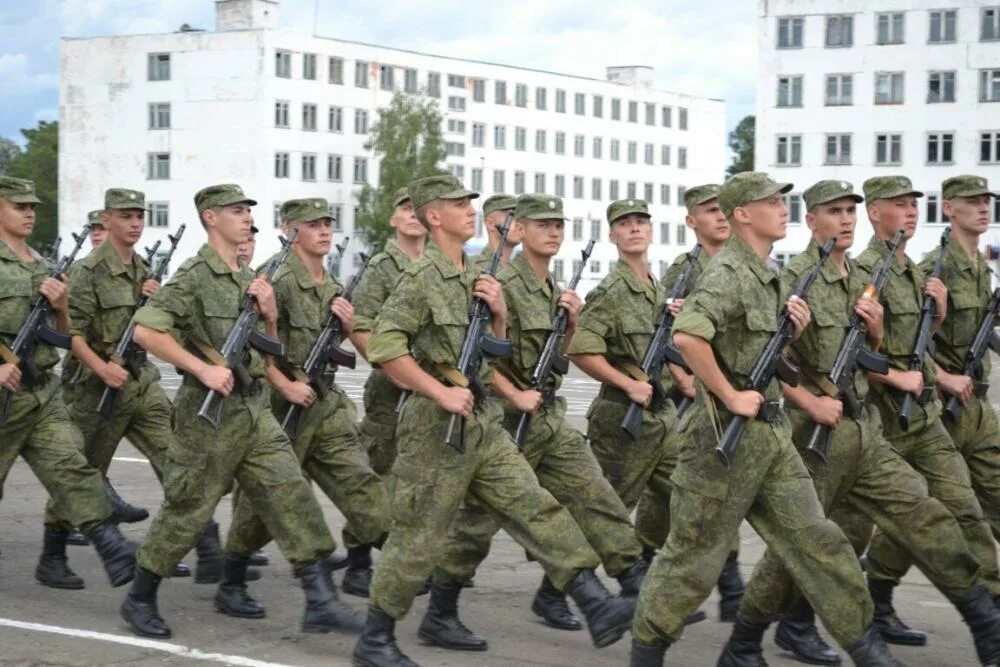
x=820, y=380
x=210, y=353
x=452, y=375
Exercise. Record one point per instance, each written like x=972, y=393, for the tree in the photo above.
x=407, y=140
x=39, y=162
x=741, y=142
x=8, y=151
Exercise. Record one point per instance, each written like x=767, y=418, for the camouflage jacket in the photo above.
x=378, y=282
x=19, y=283
x=302, y=307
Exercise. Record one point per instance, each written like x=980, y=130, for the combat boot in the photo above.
x=550, y=605
x=442, y=626
x=232, y=597
x=117, y=553
x=885, y=620
x=121, y=511
x=797, y=634
x=377, y=645
x=358, y=577
x=208, y=567
x=983, y=619
x=139, y=607
x=53, y=570
x=259, y=559
x=872, y=651
x=608, y=617
x=731, y=589
x=76, y=538
x=631, y=579
x=744, y=648
x=324, y=612
x=647, y=655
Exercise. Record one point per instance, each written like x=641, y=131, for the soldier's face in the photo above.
x=495, y=220
x=455, y=217
x=405, y=222
x=891, y=215
x=231, y=222
x=632, y=234
x=124, y=225
x=315, y=237
x=244, y=251
x=768, y=218
x=543, y=237
x=98, y=235
x=17, y=219
x=834, y=219
x=709, y=223
x=970, y=214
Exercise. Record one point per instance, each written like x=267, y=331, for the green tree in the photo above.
x=8, y=151
x=39, y=162
x=741, y=142
x=407, y=140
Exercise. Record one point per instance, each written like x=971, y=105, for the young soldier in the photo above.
x=862, y=473
x=892, y=204
x=495, y=209
x=245, y=251
x=185, y=323
x=37, y=426
x=556, y=451
x=721, y=331
x=417, y=340
x=98, y=232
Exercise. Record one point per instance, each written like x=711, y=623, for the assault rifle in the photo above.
x=986, y=339
x=659, y=353
x=35, y=330
x=551, y=360
x=853, y=354
x=127, y=354
x=334, y=257
x=52, y=252
x=771, y=361
x=243, y=335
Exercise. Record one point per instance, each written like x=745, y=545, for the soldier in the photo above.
x=926, y=446
x=556, y=451
x=98, y=232
x=36, y=425
x=721, y=331
x=495, y=209
x=417, y=339
x=199, y=306
x=245, y=251
x=862, y=473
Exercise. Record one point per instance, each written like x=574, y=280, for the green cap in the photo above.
x=94, y=217
x=220, y=195
x=889, y=187
x=623, y=207
x=965, y=186
x=401, y=195
x=425, y=190
x=539, y=207
x=701, y=194
x=18, y=190
x=121, y=198
x=828, y=191
x=305, y=210
x=746, y=187
x=499, y=202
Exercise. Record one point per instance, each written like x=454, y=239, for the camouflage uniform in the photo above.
x=499, y=202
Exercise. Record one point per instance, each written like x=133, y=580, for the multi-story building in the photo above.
x=288, y=115
x=849, y=89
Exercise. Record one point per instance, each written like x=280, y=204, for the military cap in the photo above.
x=539, y=207
x=965, y=186
x=220, y=195
x=124, y=199
x=401, y=196
x=305, y=210
x=889, y=187
x=700, y=194
x=827, y=191
x=746, y=187
x=18, y=190
x=425, y=190
x=94, y=217
x=622, y=207
x=499, y=202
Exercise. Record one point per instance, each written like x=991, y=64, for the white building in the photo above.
x=849, y=89
x=286, y=115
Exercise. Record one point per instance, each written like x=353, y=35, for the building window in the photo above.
x=337, y=213
x=410, y=80
x=595, y=266
x=456, y=126
x=159, y=214
x=360, y=121
x=630, y=190
x=478, y=90
x=158, y=166
x=308, y=166
x=789, y=91
x=665, y=195
x=595, y=228
x=838, y=149
x=557, y=269
x=940, y=147
x=647, y=192
x=281, y=161
x=158, y=66
x=615, y=150
x=540, y=98
x=281, y=114
x=336, y=66
x=794, y=203
x=521, y=95
x=360, y=170
x=595, y=189
x=309, y=66
x=790, y=32
x=520, y=139
x=632, y=152
x=989, y=85
x=839, y=90
x=598, y=106
x=940, y=87
x=616, y=109
x=665, y=240
x=889, y=28
x=664, y=155
x=334, y=168
x=579, y=104
x=598, y=148
x=457, y=170
x=560, y=185
x=519, y=182
x=649, y=154
x=478, y=135
x=989, y=147
x=454, y=148
x=633, y=112
x=309, y=117
x=682, y=158
x=681, y=192
x=560, y=101
x=789, y=150
x=888, y=149
x=942, y=26
x=681, y=233
x=159, y=116
x=434, y=84
x=578, y=187
x=539, y=182
x=577, y=229
x=560, y=143
x=839, y=31
x=990, y=25
x=613, y=189
x=888, y=88
x=650, y=114
x=361, y=74
x=933, y=213
x=477, y=179
x=499, y=180
x=682, y=116
x=578, y=144
x=540, y=137
x=500, y=92
x=456, y=81
x=335, y=119
x=456, y=103
x=499, y=136
x=665, y=116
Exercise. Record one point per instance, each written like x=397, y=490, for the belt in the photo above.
x=616, y=395
x=769, y=411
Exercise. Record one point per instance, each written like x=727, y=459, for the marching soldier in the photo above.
x=495, y=209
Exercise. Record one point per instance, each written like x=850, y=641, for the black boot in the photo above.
x=441, y=625
x=983, y=619
x=797, y=634
x=117, y=553
x=121, y=511
x=208, y=568
x=77, y=539
x=608, y=617
x=324, y=611
x=52, y=569
x=872, y=651
x=744, y=646
x=631, y=579
x=139, y=607
x=333, y=562
x=886, y=621
x=358, y=577
x=377, y=645
x=232, y=597
x=550, y=605
x=731, y=590
x=646, y=655
x=259, y=559
x=182, y=570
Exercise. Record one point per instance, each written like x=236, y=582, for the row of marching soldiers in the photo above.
x=433, y=425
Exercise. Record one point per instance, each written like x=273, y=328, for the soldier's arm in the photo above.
x=524, y=400
x=370, y=294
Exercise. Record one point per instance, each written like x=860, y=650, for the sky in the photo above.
x=705, y=47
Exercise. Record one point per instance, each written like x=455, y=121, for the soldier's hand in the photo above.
x=299, y=393
x=959, y=386
x=113, y=375
x=745, y=403
x=261, y=290
x=10, y=377
x=798, y=310
x=826, y=411
x=150, y=287
x=217, y=379
x=456, y=400
x=343, y=309
x=57, y=292
x=675, y=307
x=573, y=304
x=935, y=288
x=527, y=401
x=640, y=392
x=488, y=289
x=911, y=382
x=872, y=314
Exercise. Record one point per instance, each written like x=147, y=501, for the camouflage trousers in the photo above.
x=768, y=484
x=328, y=449
x=566, y=468
x=378, y=427
x=202, y=463
x=430, y=481
x=865, y=476
x=977, y=437
x=39, y=430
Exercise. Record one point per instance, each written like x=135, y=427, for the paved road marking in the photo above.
x=130, y=459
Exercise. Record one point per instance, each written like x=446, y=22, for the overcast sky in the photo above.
x=705, y=47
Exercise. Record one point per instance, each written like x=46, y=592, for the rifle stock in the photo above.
x=986, y=339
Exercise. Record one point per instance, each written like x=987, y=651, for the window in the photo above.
x=360, y=170
x=613, y=189
x=632, y=150
x=499, y=180
x=560, y=143
x=888, y=88
x=410, y=80
x=789, y=91
x=633, y=112
x=838, y=149
x=940, y=87
x=281, y=161
x=360, y=121
x=499, y=137
x=158, y=166
x=335, y=119
x=681, y=233
x=665, y=116
x=598, y=106
x=794, y=203
x=456, y=103
x=540, y=101
x=309, y=66
x=478, y=135
x=456, y=126
x=478, y=90
x=789, y=150
x=616, y=109
x=790, y=32
x=309, y=117
x=540, y=136
x=595, y=266
x=577, y=229
x=159, y=214
x=940, y=147
x=682, y=158
x=664, y=155
x=649, y=154
x=989, y=147
x=615, y=149
x=990, y=30
x=361, y=74
x=598, y=148
x=647, y=192
x=681, y=191
x=579, y=104
x=560, y=101
x=650, y=114
x=578, y=187
x=434, y=84
x=520, y=139
x=159, y=116
x=665, y=194
x=456, y=81
x=630, y=190
x=839, y=90
x=934, y=212
x=595, y=189
x=500, y=92
x=889, y=28
x=281, y=114
x=557, y=269
x=560, y=185
x=308, y=166
x=539, y=182
x=595, y=228
x=942, y=26
x=682, y=114
x=578, y=144
x=334, y=168
x=454, y=148
x=519, y=182
x=839, y=31
x=337, y=213
x=989, y=85
x=521, y=95
x=158, y=66
x=888, y=149
x=477, y=179
x=336, y=67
